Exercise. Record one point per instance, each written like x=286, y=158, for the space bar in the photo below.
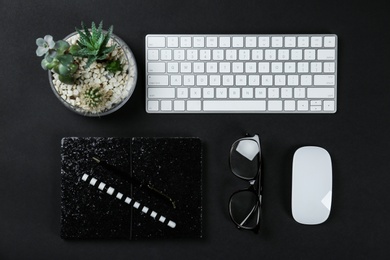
x=234, y=105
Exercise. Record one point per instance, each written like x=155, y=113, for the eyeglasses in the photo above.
x=245, y=163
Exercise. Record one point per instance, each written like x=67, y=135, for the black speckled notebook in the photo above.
x=131, y=188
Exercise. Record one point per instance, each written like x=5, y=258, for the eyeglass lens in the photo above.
x=244, y=159
x=244, y=208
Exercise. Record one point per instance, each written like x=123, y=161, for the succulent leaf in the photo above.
x=91, y=59
x=66, y=79
x=65, y=59
x=74, y=49
x=114, y=66
x=61, y=46
x=44, y=64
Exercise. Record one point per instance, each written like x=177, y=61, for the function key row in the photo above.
x=240, y=41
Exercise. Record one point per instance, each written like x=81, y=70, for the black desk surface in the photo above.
x=33, y=122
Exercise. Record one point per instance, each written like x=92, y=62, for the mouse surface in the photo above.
x=311, y=196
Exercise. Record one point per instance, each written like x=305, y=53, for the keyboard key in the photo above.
x=263, y=42
x=238, y=42
x=161, y=92
x=175, y=80
x=306, y=80
x=234, y=105
x=178, y=105
x=329, y=67
x=243, y=55
x=198, y=67
x=205, y=54
x=326, y=54
x=286, y=93
x=316, y=67
x=182, y=92
x=194, y=105
x=264, y=67
x=152, y=54
x=218, y=55
x=273, y=93
x=277, y=41
x=289, y=41
x=283, y=54
x=166, y=105
x=234, y=92
x=208, y=93
x=270, y=54
x=303, y=41
x=302, y=105
x=329, y=105
x=320, y=92
x=275, y=105
x=192, y=54
x=289, y=67
x=289, y=105
x=299, y=93
x=260, y=92
x=211, y=67
x=254, y=80
x=185, y=42
x=247, y=92
x=330, y=41
x=178, y=54
x=231, y=54
x=211, y=42
x=224, y=42
x=156, y=42
x=153, y=105
x=310, y=54
x=173, y=67
x=166, y=55
x=185, y=67
x=156, y=67
x=199, y=42
x=215, y=80
x=221, y=93
x=316, y=41
x=224, y=67
x=250, y=42
x=158, y=80
x=292, y=80
x=266, y=80
x=195, y=93
x=173, y=42
x=296, y=54
x=324, y=80
x=257, y=54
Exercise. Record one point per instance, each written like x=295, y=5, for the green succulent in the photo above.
x=92, y=44
x=57, y=58
x=114, y=66
x=94, y=96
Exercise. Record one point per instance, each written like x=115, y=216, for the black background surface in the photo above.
x=33, y=122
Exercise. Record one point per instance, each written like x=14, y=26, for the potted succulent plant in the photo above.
x=92, y=71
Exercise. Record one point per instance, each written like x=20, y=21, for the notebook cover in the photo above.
x=170, y=165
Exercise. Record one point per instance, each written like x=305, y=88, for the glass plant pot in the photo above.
x=120, y=85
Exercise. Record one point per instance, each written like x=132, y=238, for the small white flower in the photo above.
x=44, y=45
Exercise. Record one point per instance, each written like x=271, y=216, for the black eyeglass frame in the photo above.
x=255, y=184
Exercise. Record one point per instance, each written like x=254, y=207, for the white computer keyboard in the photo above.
x=241, y=73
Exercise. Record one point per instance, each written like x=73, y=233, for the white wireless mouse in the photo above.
x=311, y=196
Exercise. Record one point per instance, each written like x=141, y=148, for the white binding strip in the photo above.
x=136, y=204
